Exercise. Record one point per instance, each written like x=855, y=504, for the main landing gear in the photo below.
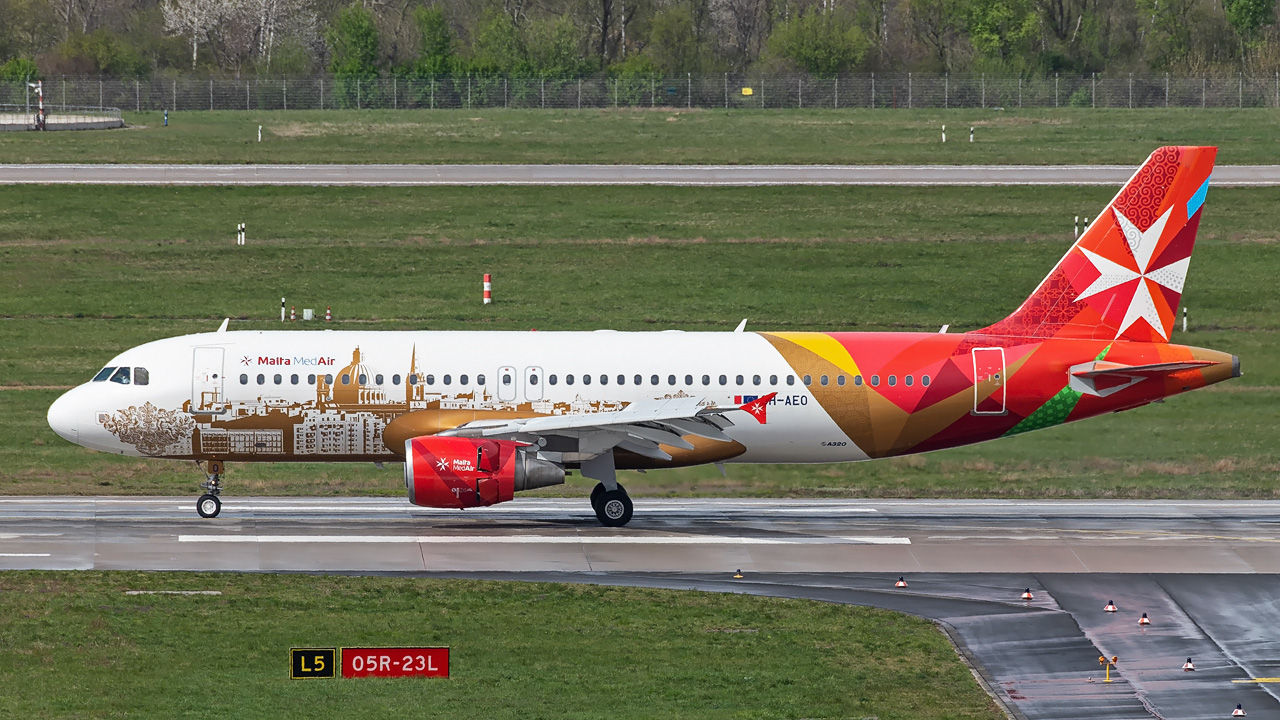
x=209, y=505
x=613, y=507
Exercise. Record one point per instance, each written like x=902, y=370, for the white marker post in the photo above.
x=488, y=289
x=281, y=309
x=259, y=133
x=1075, y=231
x=970, y=134
x=944, y=134
x=1184, y=318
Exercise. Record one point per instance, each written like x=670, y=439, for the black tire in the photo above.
x=614, y=508
x=599, y=490
x=208, y=506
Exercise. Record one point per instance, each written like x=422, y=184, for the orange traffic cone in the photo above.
x=1188, y=666
x=1026, y=594
x=1238, y=712
x=901, y=583
x=327, y=315
x=1144, y=620
x=293, y=315
x=1111, y=606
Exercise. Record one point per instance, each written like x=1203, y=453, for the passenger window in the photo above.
x=362, y=379
x=791, y=379
x=377, y=379
x=462, y=380
x=622, y=379
x=755, y=379
x=706, y=379
x=840, y=380
x=244, y=379
x=604, y=379
x=724, y=379
x=346, y=378
x=773, y=379
x=142, y=377
x=738, y=379
x=103, y=374
x=506, y=379
x=671, y=379
x=857, y=380
x=875, y=381
x=639, y=379
x=328, y=379
x=586, y=379
x=551, y=379
x=448, y=380
x=395, y=379
x=908, y=380
x=311, y=379
x=480, y=379
x=823, y=380
x=278, y=379
x=121, y=376
x=293, y=379
x=533, y=379
x=568, y=379
x=893, y=380
x=413, y=378
x=924, y=381
x=262, y=379
x=808, y=379
x=688, y=379
x=653, y=379
x=430, y=379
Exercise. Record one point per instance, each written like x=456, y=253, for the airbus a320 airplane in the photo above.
x=477, y=416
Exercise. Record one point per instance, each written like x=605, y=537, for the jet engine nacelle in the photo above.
x=458, y=472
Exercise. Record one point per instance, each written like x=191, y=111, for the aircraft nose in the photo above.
x=62, y=417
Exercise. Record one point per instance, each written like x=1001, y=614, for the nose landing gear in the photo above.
x=209, y=504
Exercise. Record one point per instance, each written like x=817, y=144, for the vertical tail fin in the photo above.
x=1123, y=278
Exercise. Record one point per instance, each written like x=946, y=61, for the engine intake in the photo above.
x=457, y=472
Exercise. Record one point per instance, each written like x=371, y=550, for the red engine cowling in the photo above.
x=458, y=472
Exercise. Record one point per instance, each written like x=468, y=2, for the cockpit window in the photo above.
x=141, y=376
x=121, y=376
x=103, y=374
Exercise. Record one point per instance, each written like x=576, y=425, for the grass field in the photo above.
x=91, y=271
x=77, y=646
x=662, y=136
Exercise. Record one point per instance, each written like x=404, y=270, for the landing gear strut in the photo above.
x=613, y=507
x=209, y=504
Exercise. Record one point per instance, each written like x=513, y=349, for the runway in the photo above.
x=666, y=535
x=690, y=175
x=1202, y=571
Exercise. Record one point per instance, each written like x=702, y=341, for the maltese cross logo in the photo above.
x=246, y=360
x=442, y=464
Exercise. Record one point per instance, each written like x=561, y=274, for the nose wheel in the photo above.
x=613, y=507
x=209, y=504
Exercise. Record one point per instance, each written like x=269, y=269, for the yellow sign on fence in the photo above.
x=747, y=91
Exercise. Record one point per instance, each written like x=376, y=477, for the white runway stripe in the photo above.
x=24, y=554
x=548, y=539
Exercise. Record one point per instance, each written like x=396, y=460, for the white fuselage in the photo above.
x=326, y=395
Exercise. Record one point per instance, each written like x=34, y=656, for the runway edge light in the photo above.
x=902, y=582
x=1188, y=666
x=1111, y=606
x=1026, y=594
x=1144, y=620
x=1239, y=711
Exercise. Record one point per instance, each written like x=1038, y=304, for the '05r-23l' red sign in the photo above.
x=395, y=662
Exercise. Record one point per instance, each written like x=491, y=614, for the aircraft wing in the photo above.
x=640, y=427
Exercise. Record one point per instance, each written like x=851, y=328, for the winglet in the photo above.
x=741, y=326
x=223, y=326
x=759, y=407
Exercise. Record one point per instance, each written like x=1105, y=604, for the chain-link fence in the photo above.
x=689, y=91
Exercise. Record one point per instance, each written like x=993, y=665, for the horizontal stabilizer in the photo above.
x=1102, y=368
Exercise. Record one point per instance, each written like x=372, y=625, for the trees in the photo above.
x=193, y=19
x=821, y=43
x=353, y=43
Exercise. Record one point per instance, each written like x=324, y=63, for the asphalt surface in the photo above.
x=713, y=175
x=1202, y=571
